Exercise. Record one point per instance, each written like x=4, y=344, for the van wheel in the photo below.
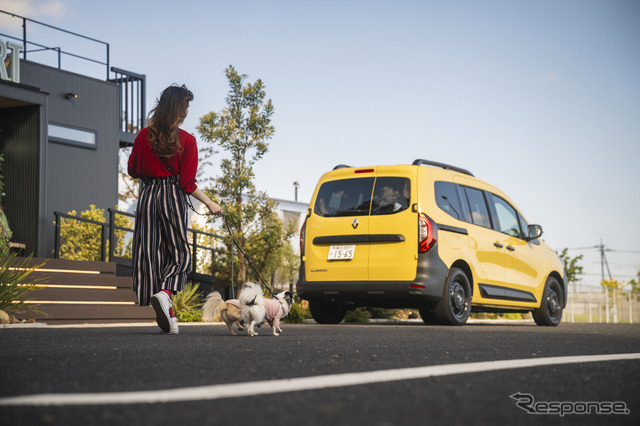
x=325, y=312
x=550, y=312
x=455, y=305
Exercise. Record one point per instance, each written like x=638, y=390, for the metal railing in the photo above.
x=41, y=47
x=107, y=252
x=132, y=102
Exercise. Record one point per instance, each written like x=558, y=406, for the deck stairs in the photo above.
x=76, y=292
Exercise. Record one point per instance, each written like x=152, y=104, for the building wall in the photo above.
x=76, y=177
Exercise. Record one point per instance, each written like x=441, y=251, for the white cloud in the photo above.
x=35, y=9
x=42, y=10
x=54, y=8
x=19, y=7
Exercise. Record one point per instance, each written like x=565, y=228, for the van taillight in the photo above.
x=426, y=233
x=303, y=231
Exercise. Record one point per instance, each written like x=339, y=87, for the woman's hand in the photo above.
x=214, y=208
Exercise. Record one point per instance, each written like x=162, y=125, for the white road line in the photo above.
x=235, y=390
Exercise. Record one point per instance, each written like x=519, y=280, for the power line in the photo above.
x=584, y=248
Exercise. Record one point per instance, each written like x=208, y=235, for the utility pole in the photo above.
x=603, y=263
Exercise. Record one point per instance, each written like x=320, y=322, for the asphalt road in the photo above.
x=141, y=360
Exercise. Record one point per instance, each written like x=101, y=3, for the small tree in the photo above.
x=130, y=188
x=242, y=129
x=572, y=266
x=635, y=286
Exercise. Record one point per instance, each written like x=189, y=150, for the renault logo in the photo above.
x=355, y=223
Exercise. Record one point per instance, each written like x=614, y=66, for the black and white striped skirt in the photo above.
x=161, y=256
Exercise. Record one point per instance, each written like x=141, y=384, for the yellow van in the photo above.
x=428, y=236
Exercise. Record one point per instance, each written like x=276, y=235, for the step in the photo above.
x=59, y=313
x=82, y=279
x=75, y=294
x=74, y=291
x=53, y=265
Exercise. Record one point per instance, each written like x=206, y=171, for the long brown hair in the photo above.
x=166, y=118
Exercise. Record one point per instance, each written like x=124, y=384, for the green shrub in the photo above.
x=83, y=241
x=297, y=314
x=382, y=313
x=193, y=315
x=15, y=284
x=187, y=303
x=358, y=315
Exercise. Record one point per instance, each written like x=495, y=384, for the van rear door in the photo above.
x=393, y=226
x=336, y=241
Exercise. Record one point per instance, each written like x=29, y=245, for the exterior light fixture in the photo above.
x=71, y=96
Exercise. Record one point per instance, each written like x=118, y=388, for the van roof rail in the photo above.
x=420, y=162
x=341, y=166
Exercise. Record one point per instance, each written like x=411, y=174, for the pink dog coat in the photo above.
x=273, y=310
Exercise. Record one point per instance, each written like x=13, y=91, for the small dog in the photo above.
x=228, y=311
x=256, y=309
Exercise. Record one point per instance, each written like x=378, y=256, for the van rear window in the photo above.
x=392, y=195
x=345, y=197
x=353, y=197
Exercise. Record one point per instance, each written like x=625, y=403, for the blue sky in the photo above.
x=539, y=98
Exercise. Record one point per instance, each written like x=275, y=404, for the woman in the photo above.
x=165, y=157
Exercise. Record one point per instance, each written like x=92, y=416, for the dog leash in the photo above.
x=226, y=222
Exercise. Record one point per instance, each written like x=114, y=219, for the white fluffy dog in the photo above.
x=256, y=309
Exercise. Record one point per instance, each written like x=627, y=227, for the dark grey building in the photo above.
x=60, y=134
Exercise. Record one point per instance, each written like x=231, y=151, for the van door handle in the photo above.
x=511, y=248
x=498, y=245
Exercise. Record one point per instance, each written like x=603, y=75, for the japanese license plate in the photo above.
x=342, y=252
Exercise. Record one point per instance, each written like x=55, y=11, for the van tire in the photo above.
x=550, y=311
x=455, y=306
x=324, y=312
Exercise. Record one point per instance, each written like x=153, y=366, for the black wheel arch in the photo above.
x=564, y=287
x=464, y=266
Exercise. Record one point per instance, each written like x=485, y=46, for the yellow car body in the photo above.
x=429, y=236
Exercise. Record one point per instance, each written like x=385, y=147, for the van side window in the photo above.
x=447, y=199
x=345, y=197
x=478, y=207
x=507, y=217
x=391, y=195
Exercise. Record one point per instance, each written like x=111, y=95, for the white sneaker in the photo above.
x=173, y=325
x=161, y=304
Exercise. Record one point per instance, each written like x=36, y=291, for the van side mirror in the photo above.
x=535, y=232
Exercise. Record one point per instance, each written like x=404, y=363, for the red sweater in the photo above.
x=143, y=162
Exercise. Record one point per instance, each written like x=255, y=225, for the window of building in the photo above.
x=71, y=136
